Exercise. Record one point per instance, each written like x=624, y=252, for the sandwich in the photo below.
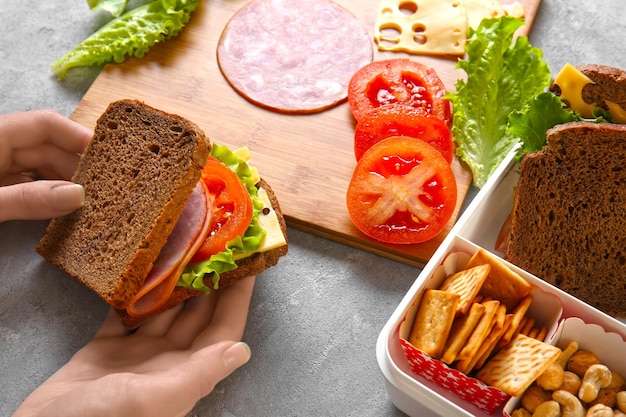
x=167, y=215
x=568, y=222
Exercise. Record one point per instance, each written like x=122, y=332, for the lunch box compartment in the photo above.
x=415, y=393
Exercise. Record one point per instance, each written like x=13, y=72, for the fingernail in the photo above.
x=67, y=197
x=237, y=354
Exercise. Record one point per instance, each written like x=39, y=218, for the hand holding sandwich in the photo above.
x=162, y=369
x=39, y=144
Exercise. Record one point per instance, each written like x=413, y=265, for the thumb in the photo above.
x=36, y=200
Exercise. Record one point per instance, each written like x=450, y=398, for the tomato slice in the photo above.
x=402, y=191
x=399, y=120
x=232, y=208
x=398, y=81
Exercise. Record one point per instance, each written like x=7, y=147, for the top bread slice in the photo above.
x=568, y=223
x=138, y=173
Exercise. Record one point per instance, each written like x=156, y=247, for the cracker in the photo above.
x=518, y=364
x=517, y=316
x=500, y=325
x=467, y=284
x=480, y=332
x=495, y=330
x=462, y=328
x=433, y=321
x=503, y=283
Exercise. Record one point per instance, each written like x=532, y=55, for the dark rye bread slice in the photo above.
x=608, y=84
x=569, y=214
x=138, y=172
x=252, y=265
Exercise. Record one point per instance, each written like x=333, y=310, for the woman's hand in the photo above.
x=162, y=369
x=33, y=145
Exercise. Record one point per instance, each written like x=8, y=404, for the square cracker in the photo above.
x=462, y=328
x=481, y=331
x=518, y=364
x=433, y=321
x=467, y=283
x=503, y=283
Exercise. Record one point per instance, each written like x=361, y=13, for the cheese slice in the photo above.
x=618, y=113
x=274, y=237
x=434, y=27
x=571, y=82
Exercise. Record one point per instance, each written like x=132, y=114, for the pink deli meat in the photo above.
x=190, y=232
x=293, y=56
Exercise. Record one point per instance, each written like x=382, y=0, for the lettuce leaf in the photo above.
x=530, y=124
x=133, y=33
x=193, y=275
x=502, y=75
x=115, y=7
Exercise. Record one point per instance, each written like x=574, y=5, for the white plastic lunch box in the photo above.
x=478, y=227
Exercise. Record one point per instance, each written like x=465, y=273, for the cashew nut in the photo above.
x=570, y=405
x=548, y=409
x=621, y=401
x=552, y=378
x=567, y=353
x=597, y=376
x=599, y=410
x=616, y=413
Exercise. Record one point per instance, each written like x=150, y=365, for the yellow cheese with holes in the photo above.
x=618, y=113
x=274, y=237
x=434, y=27
x=571, y=82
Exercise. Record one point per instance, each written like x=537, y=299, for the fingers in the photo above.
x=112, y=326
x=33, y=128
x=193, y=319
x=197, y=377
x=47, y=161
x=159, y=325
x=37, y=200
x=230, y=316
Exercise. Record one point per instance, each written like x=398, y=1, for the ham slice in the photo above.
x=293, y=56
x=190, y=232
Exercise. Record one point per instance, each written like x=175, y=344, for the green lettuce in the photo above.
x=541, y=113
x=132, y=33
x=503, y=73
x=530, y=124
x=193, y=275
x=115, y=7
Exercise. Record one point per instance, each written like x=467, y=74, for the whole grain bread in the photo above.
x=608, y=83
x=252, y=265
x=568, y=222
x=138, y=172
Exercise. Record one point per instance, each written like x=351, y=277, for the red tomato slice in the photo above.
x=402, y=191
x=400, y=120
x=232, y=208
x=398, y=81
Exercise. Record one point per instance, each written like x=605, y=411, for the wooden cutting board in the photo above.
x=308, y=160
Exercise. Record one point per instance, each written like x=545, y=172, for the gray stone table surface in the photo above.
x=314, y=318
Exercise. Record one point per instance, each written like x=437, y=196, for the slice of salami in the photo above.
x=293, y=56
